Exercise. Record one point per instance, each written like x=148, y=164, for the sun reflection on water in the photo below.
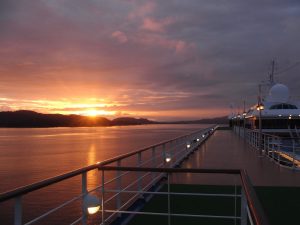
x=91, y=159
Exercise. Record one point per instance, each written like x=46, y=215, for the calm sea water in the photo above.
x=30, y=155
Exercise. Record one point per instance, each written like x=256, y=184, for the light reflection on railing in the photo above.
x=284, y=151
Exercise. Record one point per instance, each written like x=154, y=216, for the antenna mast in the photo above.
x=272, y=72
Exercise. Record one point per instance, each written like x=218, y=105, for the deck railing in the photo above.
x=167, y=154
x=251, y=211
x=283, y=151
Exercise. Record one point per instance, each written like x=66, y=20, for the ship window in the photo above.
x=283, y=106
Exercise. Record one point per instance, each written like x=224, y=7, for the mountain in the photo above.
x=25, y=118
x=130, y=121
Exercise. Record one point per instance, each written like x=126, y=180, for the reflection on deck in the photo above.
x=227, y=151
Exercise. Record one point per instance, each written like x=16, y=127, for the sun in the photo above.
x=94, y=113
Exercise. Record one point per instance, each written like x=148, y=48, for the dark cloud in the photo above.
x=216, y=52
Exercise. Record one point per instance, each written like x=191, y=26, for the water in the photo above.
x=30, y=155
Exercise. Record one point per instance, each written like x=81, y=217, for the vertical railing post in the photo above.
x=243, y=208
x=256, y=140
x=139, y=162
x=84, y=192
x=164, y=154
x=118, y=186
x=171, y=152
x=265, y=137
x=273, y=148
x=102, y=198
x=239, y=128
x=268, y=146
x=18, y=211
x=169, y=200
x=278, y=152
x=235, y=198
x=153, y=155
x=294, y=154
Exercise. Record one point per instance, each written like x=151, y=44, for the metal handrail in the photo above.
x=253, y=203
x=271, y=143
x=255, y=207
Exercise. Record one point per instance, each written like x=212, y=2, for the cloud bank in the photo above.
x=162, y=59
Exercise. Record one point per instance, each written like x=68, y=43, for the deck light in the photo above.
x=91, y=204
x=198, y=139
x=188, y=145
x=168, y=157
x=203, y=135
x=290, y=117
x=260, y=106
x=279, y=115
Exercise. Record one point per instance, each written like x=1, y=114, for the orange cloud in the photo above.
x=119, y=36
x=153, y=25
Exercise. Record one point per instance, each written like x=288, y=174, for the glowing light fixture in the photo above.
x=280, y=115
x=168, y=158
x=198, y=139
x=290, y=117
x=91, y=204
x=203, y=135
x=244, y=113
x=260, y=106
x=188, y=145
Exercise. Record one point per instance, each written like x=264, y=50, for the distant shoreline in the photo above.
x=31, y=119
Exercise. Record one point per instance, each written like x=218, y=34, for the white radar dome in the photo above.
x=279, y=93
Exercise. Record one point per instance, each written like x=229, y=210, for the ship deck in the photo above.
x=277, y=187
x=226, y=150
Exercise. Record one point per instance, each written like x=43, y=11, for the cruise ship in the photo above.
x=272, y=125
x=279, y=113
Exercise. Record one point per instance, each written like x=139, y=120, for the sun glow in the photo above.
x=94, y=113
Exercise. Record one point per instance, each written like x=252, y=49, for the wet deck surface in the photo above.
x=225, y=150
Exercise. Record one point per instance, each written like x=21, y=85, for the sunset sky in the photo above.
x=164, y=60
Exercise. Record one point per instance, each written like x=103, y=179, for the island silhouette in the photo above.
x=27, y=118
